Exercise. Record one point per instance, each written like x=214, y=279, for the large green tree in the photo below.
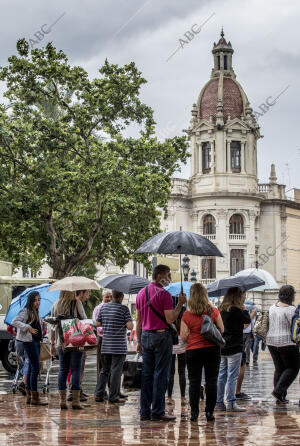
x=69, y=196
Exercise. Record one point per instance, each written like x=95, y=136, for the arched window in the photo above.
x=209, y=225
x=235, y=156
x=225, y=62
x=236, y=224
x=206, y=157
x=208, y=267
x=236, y=261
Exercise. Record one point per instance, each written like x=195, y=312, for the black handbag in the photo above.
x=210, y=332
x=172, y=327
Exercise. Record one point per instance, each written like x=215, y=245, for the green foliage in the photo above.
x=68, y=197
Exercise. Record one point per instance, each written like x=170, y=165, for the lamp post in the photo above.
x=193, y=276
x=185, y=267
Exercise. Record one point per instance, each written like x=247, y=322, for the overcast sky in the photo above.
x=264, y=35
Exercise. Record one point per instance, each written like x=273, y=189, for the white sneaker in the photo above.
x=233, y=407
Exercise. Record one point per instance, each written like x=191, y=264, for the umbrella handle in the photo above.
x=180, y=273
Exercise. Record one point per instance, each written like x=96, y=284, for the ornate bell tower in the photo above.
x=223, y=132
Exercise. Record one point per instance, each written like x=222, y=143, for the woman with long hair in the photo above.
x=284, y=352
x=200, y=352
x=30, y=331
x=67, y=305
x=235, y=318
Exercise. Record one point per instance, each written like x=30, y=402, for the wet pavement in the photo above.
x=265, y=423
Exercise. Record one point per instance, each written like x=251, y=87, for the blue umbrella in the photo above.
x=175, y=288
x=19, y=302
x=219, y=287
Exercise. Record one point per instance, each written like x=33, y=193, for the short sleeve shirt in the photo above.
x=113, y=317
x=194, y=323
x=160, y=299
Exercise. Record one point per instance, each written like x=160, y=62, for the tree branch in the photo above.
x=52, y=234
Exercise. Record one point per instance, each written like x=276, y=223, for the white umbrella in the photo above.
x=74, y=283
x=270, y=282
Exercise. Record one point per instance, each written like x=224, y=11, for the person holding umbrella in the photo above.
x=155, y=313
x=30, y=331
x=65, y=306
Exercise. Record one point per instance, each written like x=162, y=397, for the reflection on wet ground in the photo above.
x=264, y=423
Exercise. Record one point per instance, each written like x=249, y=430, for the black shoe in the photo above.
x=280, y=398
x=202, y=392
x=145, y=418
x=118, y=401
x=165, y=417
x=122, y=395
x=209, y=416
x=194, y=416
x=99, y=399
x=83, y=398
x=242, y=396
x=21, y=388
x=82, y=393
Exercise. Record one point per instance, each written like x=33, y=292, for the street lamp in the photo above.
x=185, y=267
x=193, y=276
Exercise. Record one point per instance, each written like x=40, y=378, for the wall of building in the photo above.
x=272, y=240
x=293, y=249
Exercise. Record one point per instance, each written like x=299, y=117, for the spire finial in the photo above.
x=222, y=32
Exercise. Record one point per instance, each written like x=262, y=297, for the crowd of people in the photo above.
x=214, y=374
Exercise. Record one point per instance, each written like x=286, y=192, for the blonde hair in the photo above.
x=232, y=298
x=198, y=302
x=64, y=302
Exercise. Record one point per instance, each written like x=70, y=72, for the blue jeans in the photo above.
x=67, y=359
x=228, y=375
x=255, y=347
x=23, y=362
x=32, y=350
x=157, y=358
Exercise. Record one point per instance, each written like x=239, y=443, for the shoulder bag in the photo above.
x=261, y=326
x=210, y=332
x=171, y=327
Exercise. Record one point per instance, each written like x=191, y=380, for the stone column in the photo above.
x=250, y=238
x=228, y=156
x=222, y=263
x=243, y=157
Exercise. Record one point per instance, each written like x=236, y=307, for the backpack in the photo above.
x=295, y=328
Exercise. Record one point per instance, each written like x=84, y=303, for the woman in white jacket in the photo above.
x=30, y=331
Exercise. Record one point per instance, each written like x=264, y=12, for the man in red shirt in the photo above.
x=155, y=342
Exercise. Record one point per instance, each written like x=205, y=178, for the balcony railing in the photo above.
x=207, y=281
x=237, y=236
x=180, y=186
x=264, y=188
x=210, y=236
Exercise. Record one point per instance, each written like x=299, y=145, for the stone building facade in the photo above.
x=252, y=224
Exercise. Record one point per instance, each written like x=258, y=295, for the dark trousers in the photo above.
x=32, y=350
x=248, y=341
x=99, y=365
x=157, y=357
x=209, y=358
x=255, y=347
x=112, y=365
x=181, y=372
x=71, y=359
x=287, y=363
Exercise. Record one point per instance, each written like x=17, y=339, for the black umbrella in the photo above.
x=125, y=283
x=179, y=242
x=219, y=287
